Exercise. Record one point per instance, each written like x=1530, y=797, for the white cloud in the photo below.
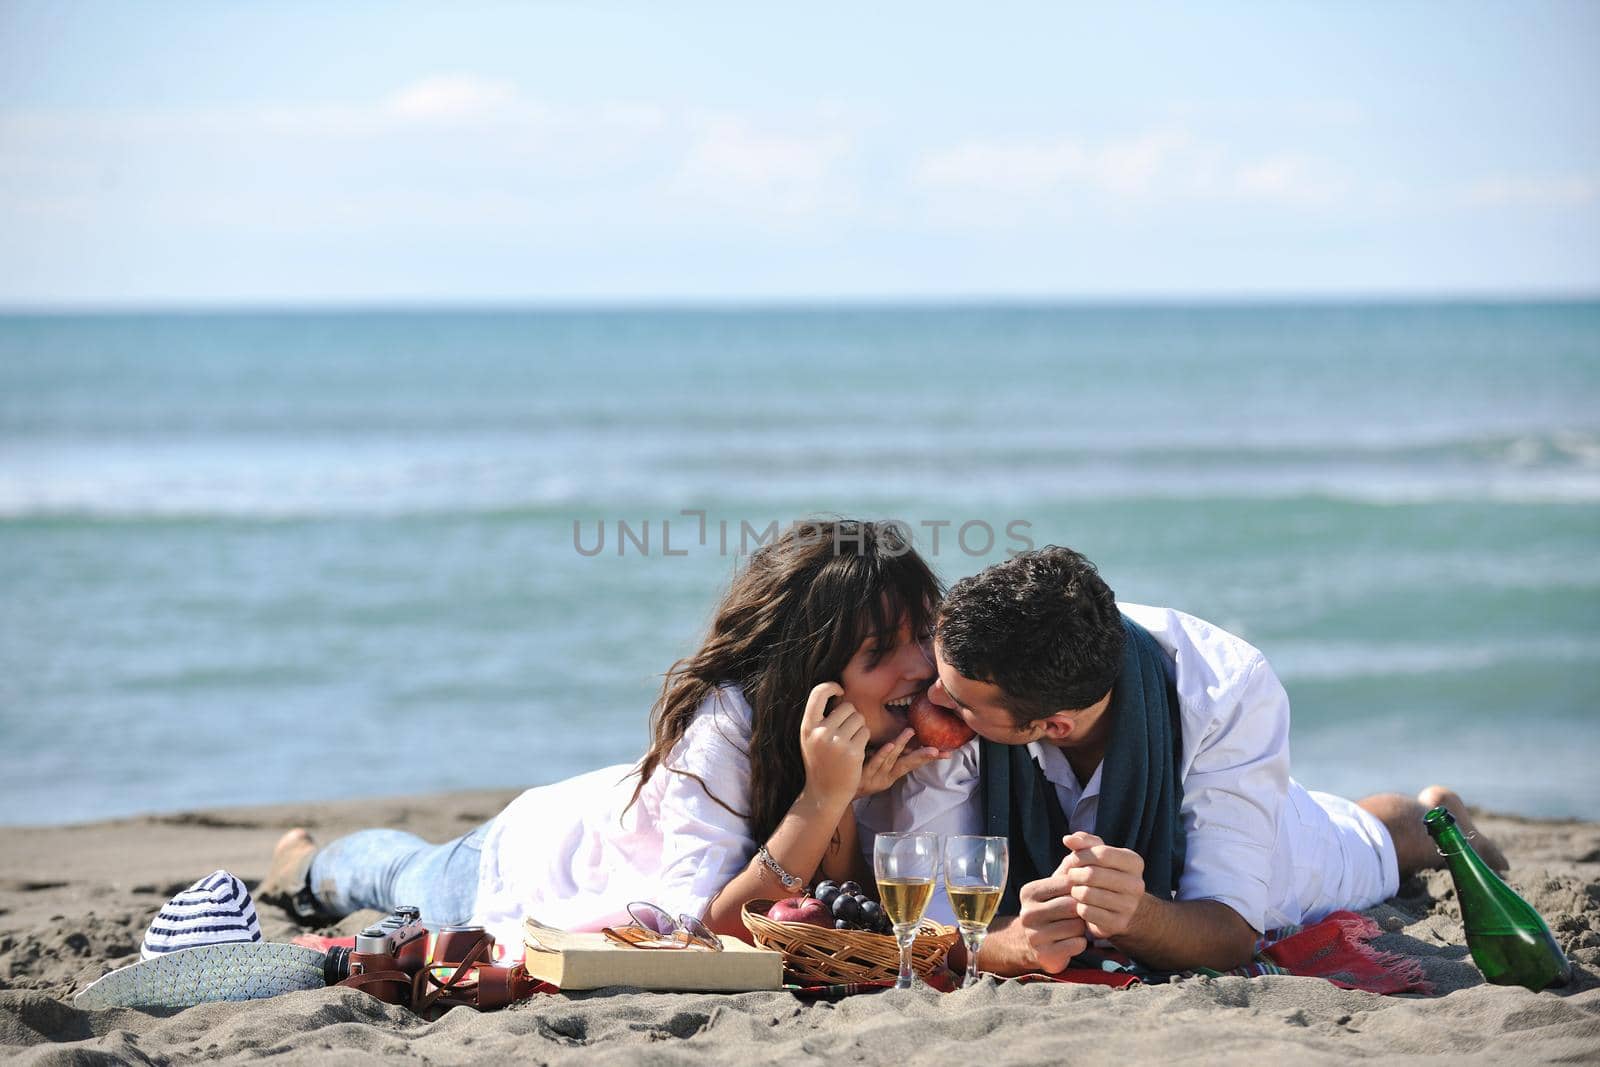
x=440, y=151
x=437, y=103
x=1565, y=191
x=770, y=171
x=1124, y=167
x=452, y=97
x=731, y=150
x=1002, y=167
x=1288, y=178
x=336, y=121
x=1129, y=167
x=1164, y=163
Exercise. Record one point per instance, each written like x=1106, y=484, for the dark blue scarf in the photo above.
x=1140, y=791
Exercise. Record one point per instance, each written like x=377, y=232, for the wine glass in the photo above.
x=975, y=870
x=906, y=865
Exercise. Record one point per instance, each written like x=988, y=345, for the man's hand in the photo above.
x=891, y=762
x=1106, y=885
x=1050, y=923
x=1101, y=890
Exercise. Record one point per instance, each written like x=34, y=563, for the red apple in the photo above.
x=801, y=910
x=936, y=726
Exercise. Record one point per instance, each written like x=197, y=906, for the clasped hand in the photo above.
x=1096, y=892
x=833, y=745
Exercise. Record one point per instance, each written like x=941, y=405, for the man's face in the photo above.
x=979, y=705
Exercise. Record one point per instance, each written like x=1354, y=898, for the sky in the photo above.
x=225, y=154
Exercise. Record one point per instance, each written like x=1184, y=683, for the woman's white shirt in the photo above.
x=574, y=854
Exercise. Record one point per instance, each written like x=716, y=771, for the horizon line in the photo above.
x=972, y=301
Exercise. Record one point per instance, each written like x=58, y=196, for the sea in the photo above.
x=292, y=556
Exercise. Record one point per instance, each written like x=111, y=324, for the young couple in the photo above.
x=1137, y=759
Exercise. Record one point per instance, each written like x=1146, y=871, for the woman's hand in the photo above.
x=891, y=762
x=833, y=745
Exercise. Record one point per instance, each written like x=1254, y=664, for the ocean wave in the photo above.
x=639, y=476
x=1325, y=660
x=759, y=505
x=828, y=432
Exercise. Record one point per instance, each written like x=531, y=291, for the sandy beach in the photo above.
x=74, y=902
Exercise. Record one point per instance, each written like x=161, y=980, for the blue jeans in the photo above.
x=384, y=868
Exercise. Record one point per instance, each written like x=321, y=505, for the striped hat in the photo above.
x=215, y=910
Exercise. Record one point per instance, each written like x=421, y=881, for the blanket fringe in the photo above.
x=1338, y=948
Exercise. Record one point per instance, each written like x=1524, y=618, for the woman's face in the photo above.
x=882, y=691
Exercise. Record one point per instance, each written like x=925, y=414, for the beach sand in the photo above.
x=74, y=902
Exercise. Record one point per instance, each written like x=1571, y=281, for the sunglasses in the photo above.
x=654, y=928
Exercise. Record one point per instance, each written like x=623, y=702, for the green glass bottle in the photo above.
x=1508, y=940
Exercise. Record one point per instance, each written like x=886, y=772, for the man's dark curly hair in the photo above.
x=1043, y=626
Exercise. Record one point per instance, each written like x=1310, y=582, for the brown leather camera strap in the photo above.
x=392, y=987
x=464, y=986
x=474, y=981
x=499, y=986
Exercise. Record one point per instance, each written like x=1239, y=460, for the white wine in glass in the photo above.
x=905, y=901
x=975, y=870
x=906, y=866
x=974, y=905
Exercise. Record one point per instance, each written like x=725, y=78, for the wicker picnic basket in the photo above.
x=813, y=954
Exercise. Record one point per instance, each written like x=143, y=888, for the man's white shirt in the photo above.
x=1256, y=840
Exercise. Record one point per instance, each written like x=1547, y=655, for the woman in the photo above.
x=793, y=708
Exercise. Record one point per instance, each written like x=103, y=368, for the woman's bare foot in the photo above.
x=291, y=859
x=1413, y=846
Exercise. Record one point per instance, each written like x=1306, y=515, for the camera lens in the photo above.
x=336, y=965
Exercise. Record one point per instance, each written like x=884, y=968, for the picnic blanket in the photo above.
x=1336, y=949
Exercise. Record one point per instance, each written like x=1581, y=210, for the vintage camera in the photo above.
x=396, y=943
x=390, y=960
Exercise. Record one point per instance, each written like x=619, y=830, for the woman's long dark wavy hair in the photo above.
x=794, y=617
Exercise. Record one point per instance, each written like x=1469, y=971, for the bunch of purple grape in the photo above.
x=852, y=909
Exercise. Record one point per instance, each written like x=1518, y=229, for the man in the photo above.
x=1138, y=759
